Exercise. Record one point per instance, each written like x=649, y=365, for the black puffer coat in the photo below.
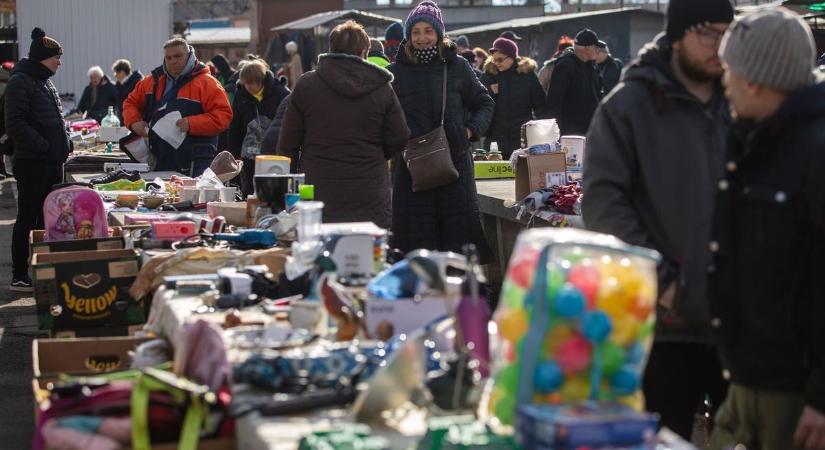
x=519, y=98
x=766, y=284
x=269, y=145
x=126, y=88
x=106, y=96
x=444, y=218
x=245, y=108
x=34, y=115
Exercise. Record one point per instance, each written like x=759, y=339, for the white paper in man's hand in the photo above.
x=166, y=129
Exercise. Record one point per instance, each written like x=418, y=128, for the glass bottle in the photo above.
x=111, y=120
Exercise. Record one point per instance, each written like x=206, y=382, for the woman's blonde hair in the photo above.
x=253, y=72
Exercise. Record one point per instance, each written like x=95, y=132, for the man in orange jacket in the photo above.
x=181, y=84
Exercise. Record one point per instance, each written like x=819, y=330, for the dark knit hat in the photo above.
x=394, y=32
x=685, y=14
x=43, y=47
x=426, y=11
x=587, y=37
x=505, y=46
x=462, y=41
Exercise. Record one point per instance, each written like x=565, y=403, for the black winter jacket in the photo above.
x=245, y=109
x=126, y=88
x=519, y=98
x=269, y=145
x=107, y=96
x=34, y=114
x=609, y=73
x=655, y=153
x=444, y=218
x=573, y=94
x=767, y=283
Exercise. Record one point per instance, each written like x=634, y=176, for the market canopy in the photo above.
x=310, y=22
x=529, y=22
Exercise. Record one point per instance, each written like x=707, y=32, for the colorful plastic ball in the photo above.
x=554, y=398
x=570, y=302
x=625, y=329
x=587, y=279
x=548, y=377
x=495, y=396
x=611, y=357
x=555, y=282
x=574, y=355
x=523, y=268
x=508, y=378
x=558, y=333
x=646, y=328
x=636, y=354
x=575, y=389
x=642, y=307
x=613, y=298
x=513, y=324
x=625, y=381
x=512, y=295
x=505, y=409
x=596, y=326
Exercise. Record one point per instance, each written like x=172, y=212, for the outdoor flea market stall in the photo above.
x=182, y=316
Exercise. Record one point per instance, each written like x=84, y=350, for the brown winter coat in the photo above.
x=345, y=122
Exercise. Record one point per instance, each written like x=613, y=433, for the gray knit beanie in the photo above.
x=771, y=47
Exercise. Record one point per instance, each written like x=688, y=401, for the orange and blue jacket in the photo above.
x=200, y=98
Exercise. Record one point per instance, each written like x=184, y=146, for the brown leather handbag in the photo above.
x=428, y=157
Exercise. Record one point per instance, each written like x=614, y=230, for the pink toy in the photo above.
x=74, y=213
x=574, y=355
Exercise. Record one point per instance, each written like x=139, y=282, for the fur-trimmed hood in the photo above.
x=524, y=65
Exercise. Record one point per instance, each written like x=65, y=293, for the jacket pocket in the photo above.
x=772, y=210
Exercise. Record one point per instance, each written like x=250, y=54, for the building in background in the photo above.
x=457, y=13
x=268, y=14
x=97, y=33
x=8, y=31
x=624, y=30
x=230, y=37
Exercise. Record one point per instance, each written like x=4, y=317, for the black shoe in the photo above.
x=116, y=175
x=21, y=284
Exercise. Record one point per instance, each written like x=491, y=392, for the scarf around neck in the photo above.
x=426, y=55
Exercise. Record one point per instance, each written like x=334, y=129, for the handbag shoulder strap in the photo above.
x=444, y=95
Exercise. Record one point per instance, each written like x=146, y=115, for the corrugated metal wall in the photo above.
x=97, y=32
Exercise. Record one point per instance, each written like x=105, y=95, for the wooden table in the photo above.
x=85, y=177
x=501, y=225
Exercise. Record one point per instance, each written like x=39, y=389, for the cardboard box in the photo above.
x=80, y=356
x=405, y=315
x=203, y=444
x=493, y=169
x=96, y=332
x=38, y=245
x=533, y=172
x=86, y=289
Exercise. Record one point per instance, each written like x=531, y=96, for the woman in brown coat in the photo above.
x=343, y=123
x=294, y=68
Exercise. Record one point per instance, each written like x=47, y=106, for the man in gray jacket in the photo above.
x=656, y=149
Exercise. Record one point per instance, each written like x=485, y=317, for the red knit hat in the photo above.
x=505, y=46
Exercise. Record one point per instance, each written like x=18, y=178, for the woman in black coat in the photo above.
x=258, y=95
x=512, y=82
x=98, y=96
x=444, y=218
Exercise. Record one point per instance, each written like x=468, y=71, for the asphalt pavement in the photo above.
x=18, y=327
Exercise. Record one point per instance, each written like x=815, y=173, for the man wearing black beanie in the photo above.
x=34, y=122
x=656, y=151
